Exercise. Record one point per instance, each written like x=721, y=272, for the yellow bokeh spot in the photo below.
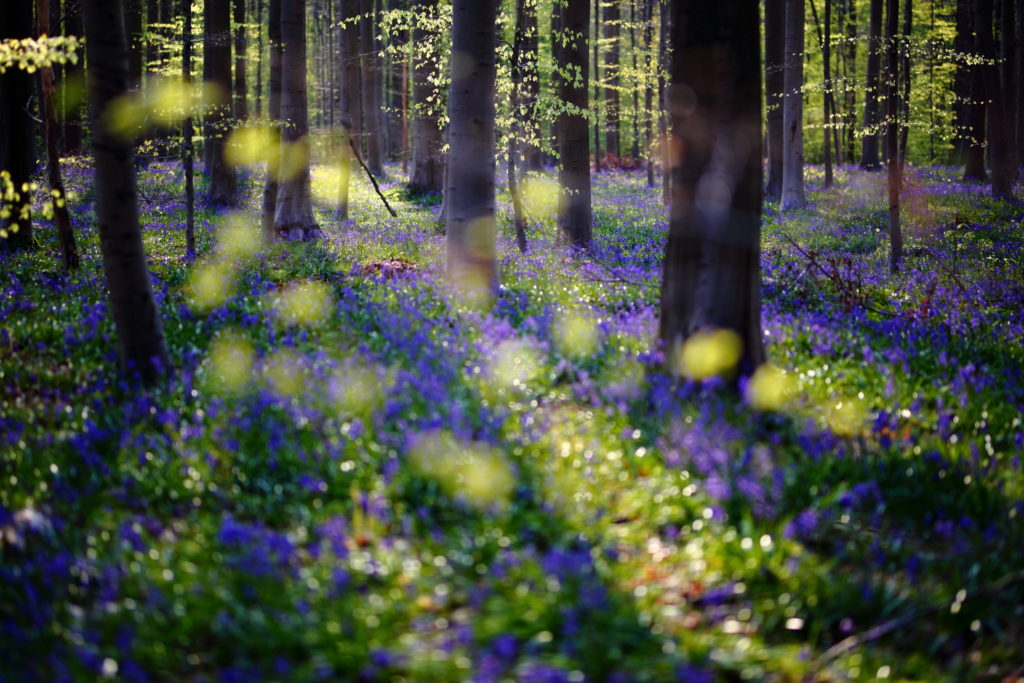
x=708, y=354
x=540, y=197
x=576, y=334
x=294, y=159
x=170, y=100
x=250, y=145
x=238, y=237
x=769, y=388
x=846, y=418
x=356, y=391
x=229, y=364
x=285, y=374
x=305, y=303
x=210, y=285
x=125, y=115
x=473, y=472
x=513, y=365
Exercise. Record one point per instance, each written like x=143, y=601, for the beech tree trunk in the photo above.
x=132, y=304
x=793, y=109
x=574, y=219
x=869, y=143
x=892, y=133
x=612, y=20
x=370, y=87
x=133, y=26
x=651, y=62
x=1003, y=155
x=51, y=128
x=826, y=51
x=293, y=215
x=530, y=60
x=596, y=70
x=774, y=81
x=74, y=77
x=274, y=113
x=711, y=277
x=469, y=193
x=427, y=159
x=963, y=44
x=223, y=190
x=17, y=151
x=240, y=109
x=187, y=155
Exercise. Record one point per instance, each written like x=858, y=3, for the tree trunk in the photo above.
x=557, y=11
x=869, y=144
x=371, y=87
x=574, y=219
x=663, y=56
x=651, y=63
x=427, y=160
x=187, y=156
x=133, y=26
x=892, y=133
x=711, y=277
x=635, y=153
x=827, y=119
x=596, y=66
x=1009, y=82
x=74, y=77
x=274, y=114
x=611, y=22
x=469, y=194
x=223, y=189
x=132, y=303
x=530, y=59
x=51, y=134
x=516, y=68
x=1003, y=162
x=793, y=109
x=963, y=44
x=774, y=81
x=240, y=109
x=849, y=68
x=293, y=216
x=17, y=135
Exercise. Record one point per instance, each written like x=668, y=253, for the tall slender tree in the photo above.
x=240, y=106
x=223, y=190
x=187, y=154
x=1000, y=121
x=427, y=159
x=774, y=83
x=133, y=27
x=469, y=192
x=892, y=132
x=17, y=151
x=869, y=143
x=136, y=319
x=595, y=69
x=74, y=79
x=530, y=61
x=370, y=87
x=711, y=276
x=612, y=25
x=793, y=109
x=574, y=219
x=51, y=135
x=293, y=214
x=276, y=47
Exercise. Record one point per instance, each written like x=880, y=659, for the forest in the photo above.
x=511, y=340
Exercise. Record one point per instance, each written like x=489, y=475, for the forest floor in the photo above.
x=358, y=473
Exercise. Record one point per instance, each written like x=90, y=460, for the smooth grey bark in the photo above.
x=240, y=106
x=293, y=214
x=774, y=82
x=187, y=156
x=427, y=159
x=142, y=347
x=370, y=88
x=869, y=143
x=51, y=135
x=469, y=193
x=574, y=220
x=223, y=189
x=793, y=110
x=611, y=24
x=712, y=260
x=892, y=133
x=17, y=131
x=274, y=113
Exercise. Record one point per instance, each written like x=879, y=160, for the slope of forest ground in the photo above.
x=360, y=474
